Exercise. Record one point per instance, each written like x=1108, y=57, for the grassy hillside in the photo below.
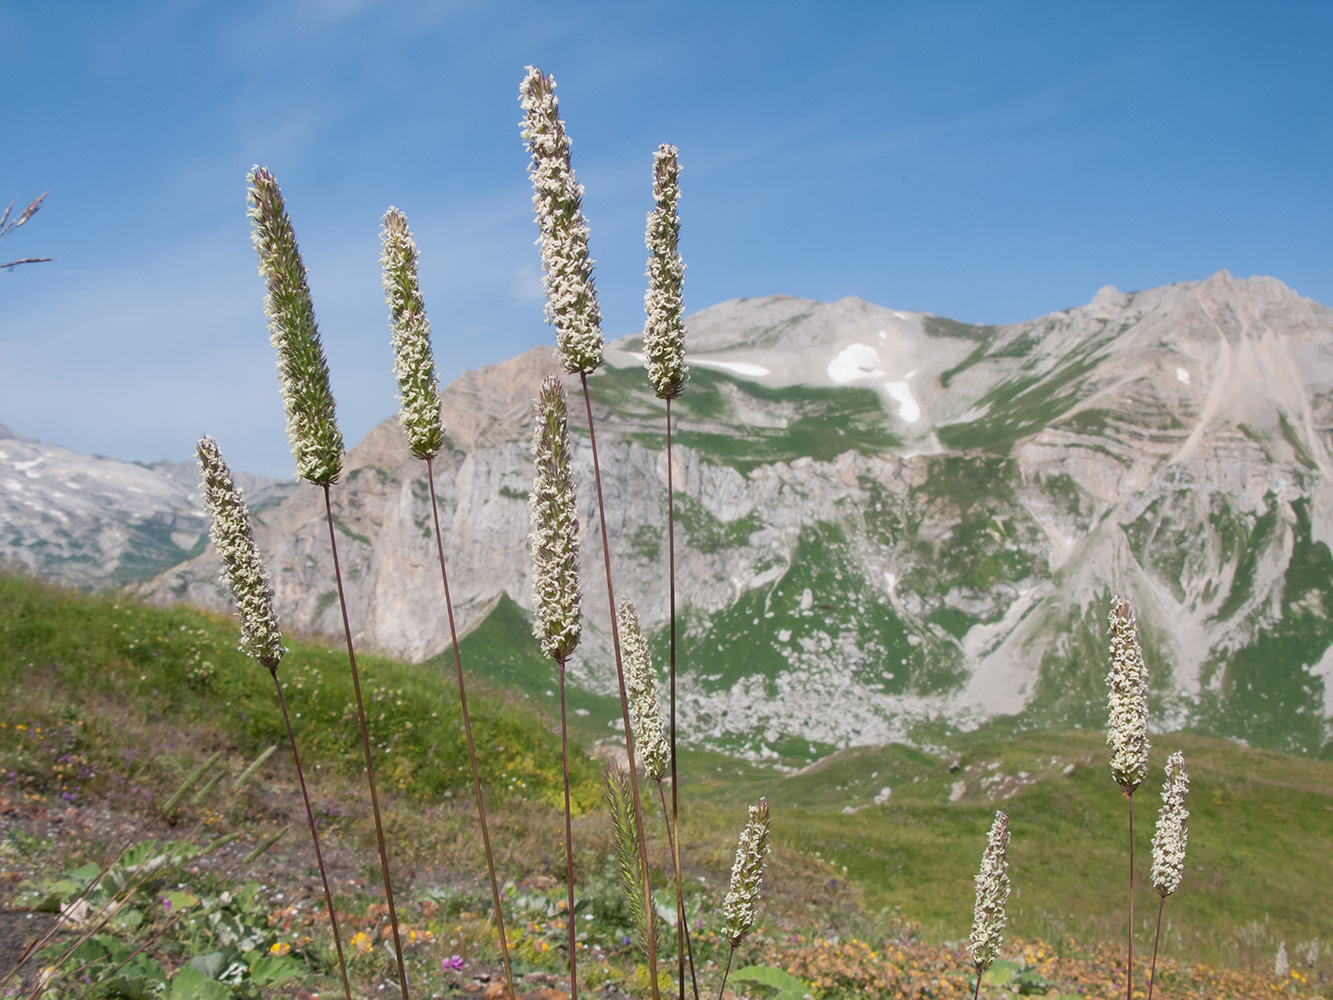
x=92, y=680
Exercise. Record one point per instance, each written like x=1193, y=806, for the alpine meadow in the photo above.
x=787, y=650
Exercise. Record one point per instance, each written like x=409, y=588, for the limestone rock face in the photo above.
x=890, y=522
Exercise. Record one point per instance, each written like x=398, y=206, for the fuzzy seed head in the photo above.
x=557, y=202
x=645, y=711
x=1168, y=842
x=556, y=597
x=312, y=427
x=992, y=893
x=618, y=795
x=1127, y=728
x=413, y=363
x=242, y=569
x=740, y=908
x=664, y=331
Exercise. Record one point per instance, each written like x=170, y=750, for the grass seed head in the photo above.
x=413, y=363
x=556, y=596
x=664, y=331
x=242, y=570
x=1127, y=728
x=992, y=880
x=620, y=803
x=557, y=202
x=303, y=373
x=1172, y=834
x=645, y=710
x=740, y=908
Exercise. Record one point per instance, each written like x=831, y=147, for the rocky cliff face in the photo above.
x=891, y=522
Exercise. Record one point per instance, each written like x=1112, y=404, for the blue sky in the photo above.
x=986, y=161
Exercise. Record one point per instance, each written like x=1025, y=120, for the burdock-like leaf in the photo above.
x=312, y=427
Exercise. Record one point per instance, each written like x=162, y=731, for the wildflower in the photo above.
x=739, y=909
x=571, y=298
x=1168, y=842
x=242, y=569
x=664, y=331
x=413, y=363
x=650, y=742
x=312, y=428
x=992, y=893
x=556, y=597
x=1280, y=967
x=1127, y=731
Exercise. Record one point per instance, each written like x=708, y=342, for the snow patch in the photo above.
x=853, y=362
x=735, y=367
x=908, y=408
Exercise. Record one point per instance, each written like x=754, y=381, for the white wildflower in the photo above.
x=664, y=331
x=1168, y=842
x=740, y=908
x=645, y=711
x=1280, y=967
x=413, y=363
x=312, y=427
x=992, y=893
x=556, y=597
x=571, y=298
x=1127, y=729
x=242, y=569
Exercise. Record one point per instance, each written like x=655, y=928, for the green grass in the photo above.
x=1260, y=843
x=84, y=648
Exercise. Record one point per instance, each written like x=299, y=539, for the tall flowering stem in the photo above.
x=312, y=428
x=303, y=373
x=419, y=416
x=557, y=600
x=571, y=307
x=1168, y=844
x=655, y=750
x=261, y=638
x=988, y=917
x=1127, y=731
x=740, y=908
x=664, y=355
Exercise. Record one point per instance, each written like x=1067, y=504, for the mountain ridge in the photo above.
x=892, y=523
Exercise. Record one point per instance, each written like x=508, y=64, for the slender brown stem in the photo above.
x=675, y=797
x=624, y=705
x=1152, y=976
x=314, y=837
x=569, y=840
x=1129, y=967
x=467, y=730
x=726, y=972
x=976, y=990
x=365, y=745
x=682, y=925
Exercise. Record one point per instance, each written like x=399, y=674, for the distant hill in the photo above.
x=93, y=521
x=895, y=524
